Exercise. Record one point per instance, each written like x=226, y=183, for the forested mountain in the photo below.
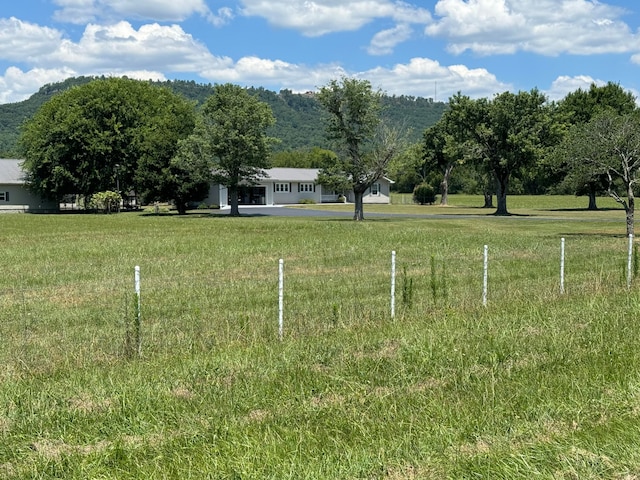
x=299, y=117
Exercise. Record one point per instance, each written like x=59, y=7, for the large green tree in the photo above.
x=232, y=135
x=609, y=145
x=109, y=133
x=443, y=149
x=577, y=109
x=505, y=135
x=366, y=144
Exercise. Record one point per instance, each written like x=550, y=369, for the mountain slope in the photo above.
x=299, y=117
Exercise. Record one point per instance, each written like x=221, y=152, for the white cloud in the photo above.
x=423, y=77
x=118, y=47
x=565, y=84
x=76, y=11
x=320, y=17
x=20, y=41
x=16, y=85
x=84, y=11
x=385, y=41
x=273, y=74
x=546, y=27
x=420, y=77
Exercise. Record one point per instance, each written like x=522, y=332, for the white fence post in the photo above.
x=281, y=298
x=629, y=261
x=393, y=284
x=562, y=266
x=485, y=276
x=138, y=325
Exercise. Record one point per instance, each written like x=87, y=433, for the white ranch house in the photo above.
x=286, y=186
x=14, y=196
x=281, y=186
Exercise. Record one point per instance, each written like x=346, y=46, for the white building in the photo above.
x=284, y=186
x=14, y=195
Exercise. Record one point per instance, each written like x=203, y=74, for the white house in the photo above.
x=284, y=186
x=14, y=196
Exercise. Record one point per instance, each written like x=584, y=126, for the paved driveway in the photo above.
x=279, y=211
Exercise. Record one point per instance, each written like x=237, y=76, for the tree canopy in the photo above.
x=231, y=134
x=609, y=145
x=367, y=144
x=577, y=109
x=505, y=135
x=105, y=134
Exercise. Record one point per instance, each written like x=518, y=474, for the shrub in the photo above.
x=106, y=202
x=423, y=194
x=156, y=209
x=307, y=201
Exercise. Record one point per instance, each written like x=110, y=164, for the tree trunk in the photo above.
x=630, y=210
x=233, y=201
x=488, y=200
x=358, y=213
x=444, y=185
x=592, y=197
x=181, y=206
x=501, y=194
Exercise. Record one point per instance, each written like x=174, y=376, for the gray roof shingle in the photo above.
x=11, y=172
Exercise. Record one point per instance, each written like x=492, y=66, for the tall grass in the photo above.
x=535, y=384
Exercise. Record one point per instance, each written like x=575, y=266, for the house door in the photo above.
x=252, y=196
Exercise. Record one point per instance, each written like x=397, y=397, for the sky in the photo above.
x=418, y=48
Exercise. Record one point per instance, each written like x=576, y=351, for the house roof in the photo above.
x=11, y=172
x=292, y=174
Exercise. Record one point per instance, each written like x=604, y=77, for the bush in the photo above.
x=423, y=194
x=106, y=202
x=156, y=209
x=307, y=201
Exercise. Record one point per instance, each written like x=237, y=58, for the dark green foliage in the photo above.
x=366, y=144
x=231, y=133
x=424, y=194
x=576, y=109
x=107, y=134
x=306, y=158
x=406, y=289
x=438, y=281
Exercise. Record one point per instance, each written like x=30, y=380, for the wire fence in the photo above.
x=301, y=297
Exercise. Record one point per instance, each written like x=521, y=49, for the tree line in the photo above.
x=145, y=137
x=127, y=135
x=586, y=144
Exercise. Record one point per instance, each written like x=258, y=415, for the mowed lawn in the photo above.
x=536, y=384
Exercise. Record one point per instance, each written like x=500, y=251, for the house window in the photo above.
x=4, y=196
x=282, y=187
x=305, y=187
x=375, y=189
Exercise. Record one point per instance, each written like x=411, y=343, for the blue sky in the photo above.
x=421, y=48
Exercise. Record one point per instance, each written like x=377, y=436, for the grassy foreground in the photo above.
x=535, y=384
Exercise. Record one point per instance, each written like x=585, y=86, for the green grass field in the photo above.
x=534, y=385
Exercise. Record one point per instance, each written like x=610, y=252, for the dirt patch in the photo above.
x=85, y=404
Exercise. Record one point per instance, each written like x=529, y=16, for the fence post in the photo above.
x=393, y=284
x=485, y=276
x=629, y=261
x=562, y=266
x=138, y=325
x=281, y=299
